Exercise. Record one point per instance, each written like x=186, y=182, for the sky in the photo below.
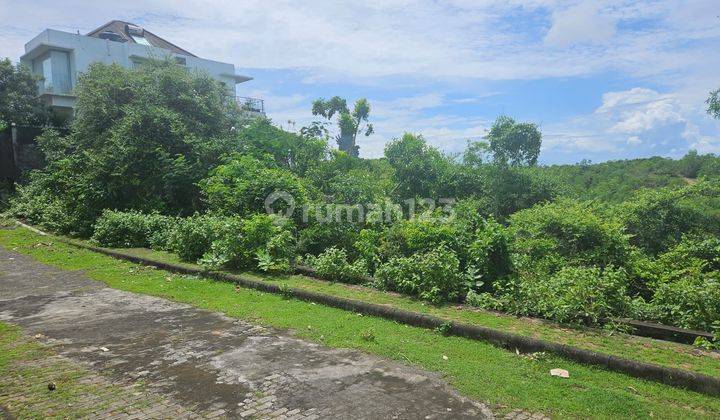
x=602, y=79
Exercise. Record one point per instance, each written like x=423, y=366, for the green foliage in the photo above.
x=242, y=184
x=316, y=237
x=691, y=300
x=333, y=265
x=132, y=229
x=193, y=236
x=418, y=166
x=140, y=140
x=657, y=219
x=244, y=243
x=547, y=237
x=513, y=143
x=575, y=294
x=713, y=102
x=489, y=252
x=19, y=100
x=434, y=276
x=263, y=141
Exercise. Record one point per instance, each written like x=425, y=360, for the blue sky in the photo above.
x=603, y=79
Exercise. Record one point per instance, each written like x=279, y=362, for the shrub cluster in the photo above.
x=333, y=265
x=434, y=276
x=132, y=229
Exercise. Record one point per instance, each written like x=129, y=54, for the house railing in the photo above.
x=251, y=104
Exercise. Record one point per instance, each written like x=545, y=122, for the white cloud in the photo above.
x=636, y=122
x=425, y=38
x=580, y=24
x=634, y=140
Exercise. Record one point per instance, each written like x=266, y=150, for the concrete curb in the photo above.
x=669, y=376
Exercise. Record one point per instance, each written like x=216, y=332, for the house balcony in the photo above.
x=251, y=105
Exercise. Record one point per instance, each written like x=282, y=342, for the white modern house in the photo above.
x=58, y=57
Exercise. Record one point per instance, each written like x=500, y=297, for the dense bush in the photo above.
x=691, y=300
x=574, y=294
x=408, y=237
x=657, y=219
x=489, y=253
x=242, y=185
x=434, y=276
x=245, y=243
x=550, y=236
x=141, y=139
x=333, y=265
x=193, y=236
x=132, y=229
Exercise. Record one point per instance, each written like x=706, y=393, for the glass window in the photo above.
x=141, y=40
x=47, y=73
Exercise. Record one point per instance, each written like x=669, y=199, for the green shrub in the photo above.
x=317, y=237
x=193, y=236
x=489, y=252
x=141, y=139
x=658, y=219
x=552, y=236
x=131, y=229
x=690, y=300
x=241, y=186
x=483, y=300
x=244, y=243
x=574, y=294
x=434, y=276
x=333, y=265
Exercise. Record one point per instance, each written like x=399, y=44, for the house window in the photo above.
x=141, y=40
x=47, y=74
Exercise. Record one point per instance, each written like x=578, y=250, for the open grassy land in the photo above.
x=476, y=369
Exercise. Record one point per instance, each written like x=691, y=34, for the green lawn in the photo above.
x=476, y=369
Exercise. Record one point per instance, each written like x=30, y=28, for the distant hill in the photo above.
x=616, y=180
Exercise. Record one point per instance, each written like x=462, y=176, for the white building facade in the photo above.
x=59, y=57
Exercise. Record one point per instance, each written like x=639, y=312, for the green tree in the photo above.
x=141, y=140
x=713, y=102
x=298, y=153
x=513, y=143
x=419, y=167
x=19, y=101
x=350, y=123
x=476, y=153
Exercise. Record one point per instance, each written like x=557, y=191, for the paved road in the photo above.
x=208, y=364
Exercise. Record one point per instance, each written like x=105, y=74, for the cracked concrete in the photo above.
x=209, y=363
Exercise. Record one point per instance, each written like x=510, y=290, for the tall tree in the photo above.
x=713, y=102
x=349, y=122
x=513, y=143
x=19, y=101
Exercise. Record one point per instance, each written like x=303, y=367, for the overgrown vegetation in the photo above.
x=162, y=158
